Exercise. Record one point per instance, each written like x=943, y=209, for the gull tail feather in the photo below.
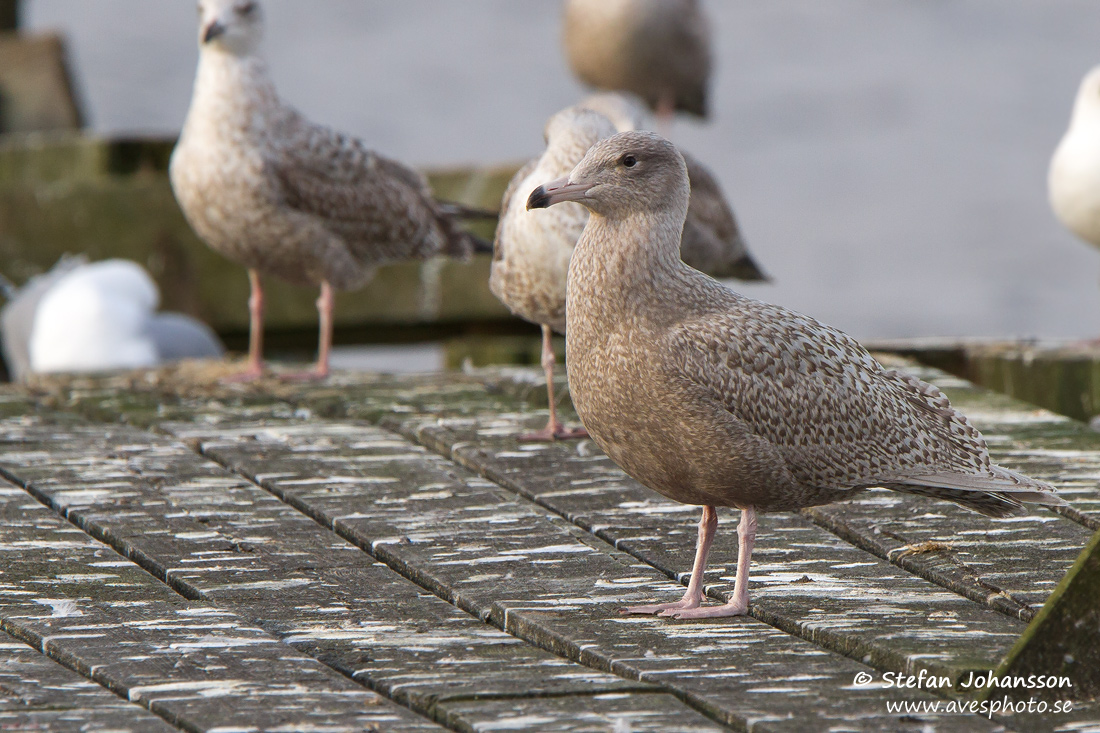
x=1001, y=493
x=464, y=212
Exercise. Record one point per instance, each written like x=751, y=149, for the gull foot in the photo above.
x=560, y=433
x=313, y=375
x=248, y=375
x=729, y=609
x=662, y=609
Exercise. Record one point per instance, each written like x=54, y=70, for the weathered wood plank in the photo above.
x=849, y=605
x=194, y=665
x=1064, y=638
x=138, y=218
x=1030, y=439
x=193, y=391
x=218, y=538
x=1056, y=445
x=614, y=712
x=538, y=577
x=37, y=693
x=1011, y=567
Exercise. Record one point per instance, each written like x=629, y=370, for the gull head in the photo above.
x=570, y=133
x=235, y=26
x=627, y=173
x=626, y=111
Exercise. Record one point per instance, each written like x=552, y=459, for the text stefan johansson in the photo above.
x=976, y=681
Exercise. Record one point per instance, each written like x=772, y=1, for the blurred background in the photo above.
x=887, y=160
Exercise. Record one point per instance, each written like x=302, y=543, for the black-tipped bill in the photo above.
x=212, y=31
x=555, y=192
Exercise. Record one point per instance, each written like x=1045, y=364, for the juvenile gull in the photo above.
x=712, y=398
x=267, y=188
x=531, y=249
x=1074, y=177
x=657, y=49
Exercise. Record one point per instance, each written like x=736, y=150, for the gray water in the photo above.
x=887, y=159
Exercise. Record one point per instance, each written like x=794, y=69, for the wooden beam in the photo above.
x=9, y=15
x=1064, y=638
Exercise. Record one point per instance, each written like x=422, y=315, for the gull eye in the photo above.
x=630, y=161
x=247, y=9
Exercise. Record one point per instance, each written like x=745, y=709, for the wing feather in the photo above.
x=839, y=418
x=382, y=209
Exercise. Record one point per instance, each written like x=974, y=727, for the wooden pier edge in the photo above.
x=1066, y=630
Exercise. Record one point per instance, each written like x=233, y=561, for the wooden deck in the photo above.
x=381, y=553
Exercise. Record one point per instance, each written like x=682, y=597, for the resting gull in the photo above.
x=81, y=317
x=531, y=250
x=267, y=188
x=1074, y=178
x=712, y=398
x=657, y=49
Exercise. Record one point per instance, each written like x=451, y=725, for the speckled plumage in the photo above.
x=657, y=49
x=712, y=398
x=267, y=188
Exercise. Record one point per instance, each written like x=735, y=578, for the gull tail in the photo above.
x=465, y=213
x=745, y=268
x=1001, y=493
x=461, y=244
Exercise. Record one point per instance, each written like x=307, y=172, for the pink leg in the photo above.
x=554, y=430
x=666, y=113
x=738, y=605
x=324, y=310
x=255, y=368
x=693, y=598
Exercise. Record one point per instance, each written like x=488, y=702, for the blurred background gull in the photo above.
x=886, y=160
x=95, y=316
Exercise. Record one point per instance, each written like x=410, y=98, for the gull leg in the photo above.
x=665, y=114
x=325, y=307
x=738, y=605
x=255, y=368
x=554, y=430
x=693, y=598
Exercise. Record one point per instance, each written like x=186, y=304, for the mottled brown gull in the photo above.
x=267, y=188
x=531, y=249
x=657, y=49
x=712, y=398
